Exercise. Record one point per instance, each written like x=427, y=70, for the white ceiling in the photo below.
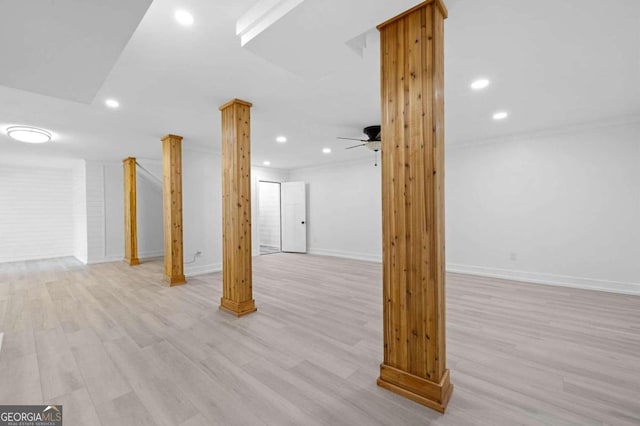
x=551, y=64
x=64, y=48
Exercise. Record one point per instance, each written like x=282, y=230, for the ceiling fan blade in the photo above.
x=355, y=146
x=352, y=139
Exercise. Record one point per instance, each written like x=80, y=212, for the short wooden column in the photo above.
x=237, y=293
x=130, y=213
x=172, y=209
x=412, y=46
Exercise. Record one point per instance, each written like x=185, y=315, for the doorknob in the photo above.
x=303, y=222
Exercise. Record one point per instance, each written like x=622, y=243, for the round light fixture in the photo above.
x=500, y=115
x=267, y=163
x=184, y=17
x=480, y=84
x=326, y=150
x=281, y=139
x=29, y=134
x=112, y=103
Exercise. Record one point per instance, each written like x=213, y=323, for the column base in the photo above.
x=175, y=281
x=132, y=262
x=238, y=309
x=423, y=391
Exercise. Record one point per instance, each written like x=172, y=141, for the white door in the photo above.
x=293, y=196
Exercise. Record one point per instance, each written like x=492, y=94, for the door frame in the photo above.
x=259, y=181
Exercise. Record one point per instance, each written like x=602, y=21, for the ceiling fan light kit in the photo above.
x=373, y=141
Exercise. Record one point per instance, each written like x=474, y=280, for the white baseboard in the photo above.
x=108, y=259
x=347, y=255
x=32, y=258
x=547, y=279
x=120, y=258
x=150, y=254
x=195, y=270
x=508, y=274
x=83, y=261
x=189, y=270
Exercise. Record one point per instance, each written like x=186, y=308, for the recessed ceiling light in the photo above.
x=326, y=150
x=267, y=163
x=112, y=103
x=184, y=17
x=500, y=115
x=29, y=134
x=480, y=84
x=281, y=139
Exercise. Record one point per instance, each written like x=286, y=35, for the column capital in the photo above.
x=171, y=137
x=439, y=3
x=235, y=102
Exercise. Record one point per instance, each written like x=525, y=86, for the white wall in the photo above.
x=36, y=213
x=79, y=189
x=201, y=204
x=559, y=208
x=105, y=214
x=149, y=210
x=201, y=210
x=96, y=205
x=344, y=209
x=114, y=212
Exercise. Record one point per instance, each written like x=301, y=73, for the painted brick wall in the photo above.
x=36, y=213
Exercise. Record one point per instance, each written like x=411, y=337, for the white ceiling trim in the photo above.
x=261, y=16
x=576, y=128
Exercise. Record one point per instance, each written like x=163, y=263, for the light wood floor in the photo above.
x=116, y=347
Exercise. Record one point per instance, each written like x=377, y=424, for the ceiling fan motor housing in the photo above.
x=372, y=132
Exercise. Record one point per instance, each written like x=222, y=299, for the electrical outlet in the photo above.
x=513, y=256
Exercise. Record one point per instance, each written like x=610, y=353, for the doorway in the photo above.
x=269, y=217
x=294, y=217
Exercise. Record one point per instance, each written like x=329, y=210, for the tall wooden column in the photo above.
x=130, y=212
x=412, y=46
x=172, y=209
x=237, y=294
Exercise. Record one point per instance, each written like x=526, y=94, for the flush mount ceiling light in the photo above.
x=267, y=163
x=29, y=134
x=480, y=84
x=112, y=103
x=184, y=18
x=326, y=150
x=281, y=139
x=500, y=115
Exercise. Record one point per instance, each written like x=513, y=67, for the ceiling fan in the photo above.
x=373, y=141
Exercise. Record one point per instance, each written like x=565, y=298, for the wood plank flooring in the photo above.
x=115, y=346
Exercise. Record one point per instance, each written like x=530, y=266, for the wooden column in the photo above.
x=172, y=209
x=412, y=57
x=130, y=213
x=237, y=296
